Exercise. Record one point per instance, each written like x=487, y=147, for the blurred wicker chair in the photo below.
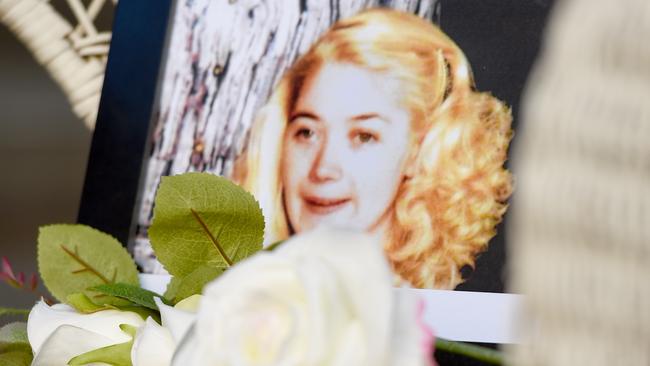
x=74, y=55
x=580, y=230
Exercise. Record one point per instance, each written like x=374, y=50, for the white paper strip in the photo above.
x=470, y=316
x=455, y=315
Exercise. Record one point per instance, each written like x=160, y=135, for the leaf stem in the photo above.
x=86, y=266
x=483, y=354
x=212, y=238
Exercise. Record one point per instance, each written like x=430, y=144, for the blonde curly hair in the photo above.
x=446, y=211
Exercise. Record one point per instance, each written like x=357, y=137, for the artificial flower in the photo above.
x=58, y=333
x=154, y=344
x=321, y=298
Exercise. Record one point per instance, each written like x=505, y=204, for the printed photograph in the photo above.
x=362, y=115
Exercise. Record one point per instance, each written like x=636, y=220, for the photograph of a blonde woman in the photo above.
x=392, y=117
x=379, y=127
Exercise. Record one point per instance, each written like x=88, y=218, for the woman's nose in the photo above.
x=327, y=165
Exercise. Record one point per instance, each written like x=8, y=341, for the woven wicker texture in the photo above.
x=74, y=55
x=580, y=228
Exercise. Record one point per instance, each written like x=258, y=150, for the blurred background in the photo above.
x=581, y=241
x=43, y=154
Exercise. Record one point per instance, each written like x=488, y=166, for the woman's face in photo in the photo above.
x=344, y=150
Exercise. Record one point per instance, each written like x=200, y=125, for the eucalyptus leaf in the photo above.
x=134, y=294
x=13, y=312
x=203, y=219
x=193, y=283
x=116, y=355
x=14, y=333
x=72, y=258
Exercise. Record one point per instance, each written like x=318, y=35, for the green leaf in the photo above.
x=14, y=346
x=134, y=294
x=193, y=283
x=116, y=355
x=203, y=219
x=14, y=333
x=6, y=347
x=72, y=258
x=15, y=354
x=172, y=289
x=107, y=300
x=274, y=246
x=483, y=354
x=144, y=312
x=83, y=304
x=13, y=312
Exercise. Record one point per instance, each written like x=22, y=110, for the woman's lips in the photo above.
x=323, y=206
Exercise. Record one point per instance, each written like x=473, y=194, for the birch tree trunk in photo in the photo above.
x=224, y=58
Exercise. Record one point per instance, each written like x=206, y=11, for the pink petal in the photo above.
x=9, y=280
x=33, y=280
x=6, y=268
x=428, y=340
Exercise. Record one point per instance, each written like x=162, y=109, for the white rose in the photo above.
x=58, y=333
x=154, y=344
x=321, y=298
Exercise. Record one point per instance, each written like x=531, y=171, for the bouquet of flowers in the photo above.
x=320, y=298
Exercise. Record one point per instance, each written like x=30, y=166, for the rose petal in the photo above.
x=44, y=320
x=66, y=342
x=326, y=295
x=322, y=284
x=153, y=345
x=190, y=304
x=352, y=348
x=186, y=350
x=176, y=320
x=367, y=282
x=262, y=281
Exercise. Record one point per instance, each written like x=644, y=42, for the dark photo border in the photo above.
x=129, y=97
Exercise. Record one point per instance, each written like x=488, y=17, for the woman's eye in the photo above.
x=304, y=134
x=364, y=138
